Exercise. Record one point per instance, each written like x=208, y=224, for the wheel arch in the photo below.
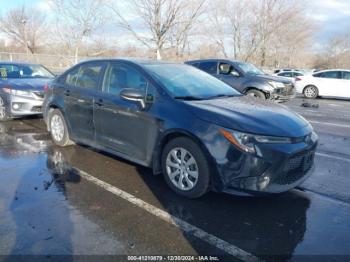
x=52, y=107
x=267, y=94
x=167, y=137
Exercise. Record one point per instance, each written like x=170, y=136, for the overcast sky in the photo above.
x=331, y=16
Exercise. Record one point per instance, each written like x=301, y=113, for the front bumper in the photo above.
x=284, y=93
x=23, y=106
x=281, y=168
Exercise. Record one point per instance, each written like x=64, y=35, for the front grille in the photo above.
x=39, y=94
x=296, y=167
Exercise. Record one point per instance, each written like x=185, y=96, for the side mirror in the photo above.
x=234, y=73
x=136, y=95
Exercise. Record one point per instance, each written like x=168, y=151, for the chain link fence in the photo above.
x=56, y=63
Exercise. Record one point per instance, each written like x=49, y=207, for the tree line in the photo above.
x=268, y=33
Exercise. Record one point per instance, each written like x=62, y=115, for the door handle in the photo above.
x=67, y=92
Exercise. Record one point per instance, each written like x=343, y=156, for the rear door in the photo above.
x=329, y=83
x=82, y=85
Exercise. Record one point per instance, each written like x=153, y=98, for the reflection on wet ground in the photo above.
x=47, y=208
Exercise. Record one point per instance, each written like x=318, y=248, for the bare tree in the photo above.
x=227, y=22
x=163, y=23
x=25, y=26
x=77, y=20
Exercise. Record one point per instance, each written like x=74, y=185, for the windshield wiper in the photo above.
x=188, y=97
x=220, y=95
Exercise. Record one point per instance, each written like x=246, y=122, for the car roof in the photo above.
x=138, y=61
x=328, y=70
x=212, y=60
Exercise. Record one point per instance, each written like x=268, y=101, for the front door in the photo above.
x=82, y=85
x=228, y=74
x=123, y=125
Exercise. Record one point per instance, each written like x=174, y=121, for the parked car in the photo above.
x=331, y=83
x=284, y=70
x=22, y=89
x=196, y=130
x=289, y=74
x=247, y=79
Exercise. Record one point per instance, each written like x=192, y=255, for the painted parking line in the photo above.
x=181, y=224
x=334, y=157
x=328, y=123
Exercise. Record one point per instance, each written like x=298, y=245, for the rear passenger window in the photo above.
x=286, y=74
x=209, y=67
x=328, y=74
x=119, y=76
x=72, y=76
x=88, y=76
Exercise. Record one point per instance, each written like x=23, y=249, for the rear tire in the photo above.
x=58, y=129
x=4, y=116
x=310, y=92
x=256, y=93
x=185, y=168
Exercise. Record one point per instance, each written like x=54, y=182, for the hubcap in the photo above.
x=2, y=109
x=310, y=92
x=57, y=128
x=182, y=169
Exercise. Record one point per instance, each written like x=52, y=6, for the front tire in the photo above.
x=4, y=116
x=58, y=128
x=256, y=93
x=185, y=168
x=310, y=92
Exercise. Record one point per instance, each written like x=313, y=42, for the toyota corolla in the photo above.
x=197, y=131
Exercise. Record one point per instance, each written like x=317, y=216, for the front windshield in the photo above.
x=24, y=71
x=249, y=68
x=184, y=81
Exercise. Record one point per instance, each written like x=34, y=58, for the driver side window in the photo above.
x=227, y=69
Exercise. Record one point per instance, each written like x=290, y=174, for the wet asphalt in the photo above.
x=48, y=208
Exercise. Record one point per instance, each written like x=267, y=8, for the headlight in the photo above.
x=16, y=92
x=275, y=84
x=246, y=142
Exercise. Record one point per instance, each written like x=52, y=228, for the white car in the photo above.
x=332, y=83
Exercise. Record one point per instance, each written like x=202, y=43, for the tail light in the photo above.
x=46, y=88
x=298, y=79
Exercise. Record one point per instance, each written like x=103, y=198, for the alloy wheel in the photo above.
x=310, y=92
x=57, y=128
x=182, y=169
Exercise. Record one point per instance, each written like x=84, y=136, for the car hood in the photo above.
x=274, y=78
x=251, y=115
x=27, y=84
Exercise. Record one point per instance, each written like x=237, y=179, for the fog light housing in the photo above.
x=16, y=106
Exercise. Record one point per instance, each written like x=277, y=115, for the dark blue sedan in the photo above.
x=22, y=89
x=196, y=130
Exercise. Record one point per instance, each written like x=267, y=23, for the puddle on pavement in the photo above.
x=42, y=211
